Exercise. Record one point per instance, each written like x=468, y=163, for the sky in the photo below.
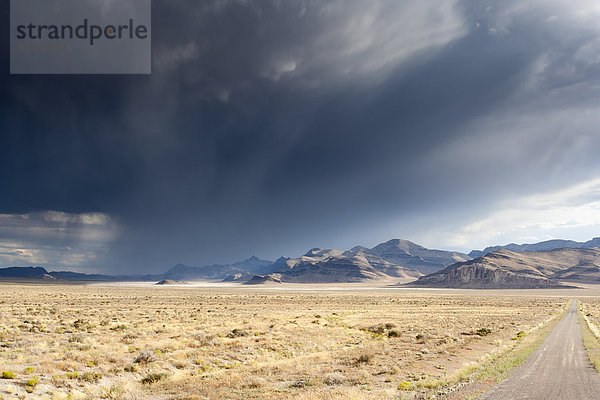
x=271, y=127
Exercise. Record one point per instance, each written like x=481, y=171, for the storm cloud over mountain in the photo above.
x=270, y=127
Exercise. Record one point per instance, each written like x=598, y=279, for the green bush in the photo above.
x=32, y=382
x=8, y=375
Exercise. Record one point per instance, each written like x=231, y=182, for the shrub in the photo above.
x=114, y=392
x=520, y=335
x=237, y=333
x=121, y=327
x=302, y=383
x=377, y=329
x=203, y=340
x=144, y=357
x=201, y=365
x=131, y=368
x=82, y=325
x=8, y=375
x=483, y=331
x=129, y=338
x=91, y=376
x=364, y=358
x=154, y=377
x=254, y=383
x=421, y=337
x=334, y=379
x=394, y=333
x=29, y=370
x=78, y=338
x=32, y=382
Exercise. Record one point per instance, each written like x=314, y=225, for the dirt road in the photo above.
x=559, y=370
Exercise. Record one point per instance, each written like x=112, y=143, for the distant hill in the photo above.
x=245, y=269
x=238, y=277
x=541, y=246
x=167, y=282
x=23, y=272
x=503, y=269
x=42, y=273
x=252, y=265
x=262, y=279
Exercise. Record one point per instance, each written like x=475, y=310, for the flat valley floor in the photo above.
x=142, y=342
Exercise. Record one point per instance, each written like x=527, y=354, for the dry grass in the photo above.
x=198, y=343
x=589, y=313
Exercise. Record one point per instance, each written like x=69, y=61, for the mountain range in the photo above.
x=252, y=265
x=396, y=259
x=178, y=273
x=544, y=264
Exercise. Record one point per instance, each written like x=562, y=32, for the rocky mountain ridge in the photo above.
x=503, y=269
x=540, y=246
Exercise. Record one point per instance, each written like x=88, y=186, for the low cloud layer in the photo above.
x=271, y=127
x=56, y=239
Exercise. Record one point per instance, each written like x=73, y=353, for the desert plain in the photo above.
x=75, y=341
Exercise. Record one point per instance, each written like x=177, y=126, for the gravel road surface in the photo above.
x=559, y=370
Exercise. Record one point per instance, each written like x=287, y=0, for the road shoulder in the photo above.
x=475, y=381
x=591, y=336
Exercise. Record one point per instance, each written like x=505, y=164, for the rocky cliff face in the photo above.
x=478, y=276
x=332, y=270
x=504, y=269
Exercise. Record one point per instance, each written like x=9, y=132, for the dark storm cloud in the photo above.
x=270, y=127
